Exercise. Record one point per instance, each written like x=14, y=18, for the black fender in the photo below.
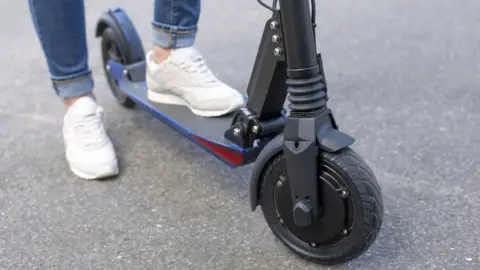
x=273, y=148
x=126, y=35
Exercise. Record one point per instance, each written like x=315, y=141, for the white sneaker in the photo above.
x=88, y=148
x=184, y=79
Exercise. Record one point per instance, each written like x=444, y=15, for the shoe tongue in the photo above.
x=183, y=54
x=84, y=106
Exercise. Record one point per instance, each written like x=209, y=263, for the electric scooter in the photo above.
x=319, y=198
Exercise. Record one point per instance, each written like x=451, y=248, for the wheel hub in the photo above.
x=333, y=222
x=113, y=53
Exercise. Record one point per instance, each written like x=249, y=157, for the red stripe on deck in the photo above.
x=231, y=156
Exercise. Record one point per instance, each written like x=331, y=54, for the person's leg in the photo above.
x=60, y=26
x=177, y=74
x=174, y=26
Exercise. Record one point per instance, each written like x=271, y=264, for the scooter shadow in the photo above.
x=391, y=243
x=235, y=181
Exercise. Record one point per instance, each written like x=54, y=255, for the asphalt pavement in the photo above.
x=404, y=79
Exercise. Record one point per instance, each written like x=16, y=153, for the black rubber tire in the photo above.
x=368, y=208
x=108, y=36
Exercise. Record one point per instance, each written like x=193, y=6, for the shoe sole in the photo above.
x=97, y=176
x=175, y=100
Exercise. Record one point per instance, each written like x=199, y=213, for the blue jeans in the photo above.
x=60, y=26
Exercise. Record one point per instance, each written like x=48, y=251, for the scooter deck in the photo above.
x=207, y=132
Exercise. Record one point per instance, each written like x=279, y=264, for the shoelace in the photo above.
x=197, y=69
x=89, y=130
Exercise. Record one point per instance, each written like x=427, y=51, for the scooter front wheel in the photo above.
x=351, y=208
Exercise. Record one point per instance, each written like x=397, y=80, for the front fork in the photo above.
x=310, y=126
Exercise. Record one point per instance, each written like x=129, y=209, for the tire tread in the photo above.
x=372, y=204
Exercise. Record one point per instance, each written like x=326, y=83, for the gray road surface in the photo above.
x=405, y=81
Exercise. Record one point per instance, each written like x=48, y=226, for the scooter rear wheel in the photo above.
x=351, y=209
x=111, y=50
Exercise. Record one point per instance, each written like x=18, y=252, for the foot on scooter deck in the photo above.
x=206, y=132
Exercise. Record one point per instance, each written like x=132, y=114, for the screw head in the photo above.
x=313, y=244
x=276, y=38
x=278, y=51
x=236, y=131
x=273, y=25
x=279, y=183
x=344, y=193
x=345, y=232
x=255, y=129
